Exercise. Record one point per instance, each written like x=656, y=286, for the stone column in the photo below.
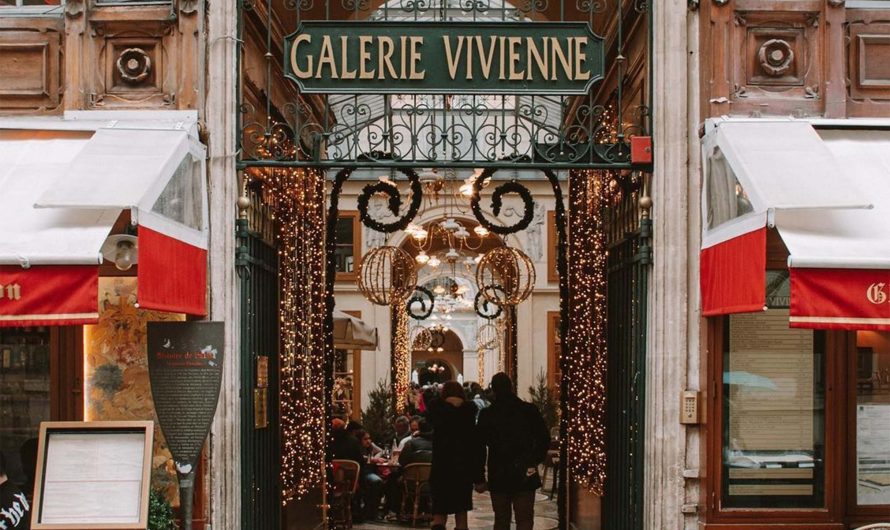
x=220, y=113
x=671, y=284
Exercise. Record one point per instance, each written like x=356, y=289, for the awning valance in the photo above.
x=833, y=216
x=64, y=184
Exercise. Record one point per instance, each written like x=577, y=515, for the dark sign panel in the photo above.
x=452, y=57
x=185, y=368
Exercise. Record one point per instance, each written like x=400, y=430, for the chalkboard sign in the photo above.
x=185, y=368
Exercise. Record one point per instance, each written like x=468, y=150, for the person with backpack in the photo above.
x=517, y=440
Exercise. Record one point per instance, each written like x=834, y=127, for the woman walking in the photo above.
x=457, y=455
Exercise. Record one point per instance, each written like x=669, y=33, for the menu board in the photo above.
x=91, y=474
x=770, y=378
x=873, y=453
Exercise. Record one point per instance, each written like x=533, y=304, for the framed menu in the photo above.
x=93, y=475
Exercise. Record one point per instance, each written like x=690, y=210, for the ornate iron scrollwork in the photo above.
x=497, y=198
x=418, y=297
x=389, y=189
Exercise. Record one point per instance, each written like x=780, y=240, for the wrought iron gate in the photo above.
x=256, y=264
x=628, y=265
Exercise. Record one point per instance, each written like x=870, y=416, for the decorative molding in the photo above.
x=811, y=92
x=134, y=65
x=74, y=8
x=188, y=7
x=836, y=3
x=776, y=57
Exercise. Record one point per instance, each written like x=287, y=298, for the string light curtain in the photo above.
x=584, y=363
x=401, y=358
x=299, y=206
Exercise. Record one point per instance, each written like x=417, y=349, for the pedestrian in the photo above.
x=372, y=483
x=15, y=510
x=457, y=455
x=517, y=440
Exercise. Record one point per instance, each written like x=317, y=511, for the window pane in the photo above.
x=726, y=198
x=343, y=257
x=873, y=418
x=774, y=412
x=24, y=396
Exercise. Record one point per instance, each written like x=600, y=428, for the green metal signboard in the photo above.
x=444, y=57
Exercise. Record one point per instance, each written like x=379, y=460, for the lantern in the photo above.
x=387, y=275
x=505, y=276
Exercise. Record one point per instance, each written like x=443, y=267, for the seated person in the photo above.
x=371, y=481
x=417, y=449
x=15, y=510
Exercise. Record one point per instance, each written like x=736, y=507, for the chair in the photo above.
x=876, y=526
x=551, y=461
x=415, y=477
x=345, y=484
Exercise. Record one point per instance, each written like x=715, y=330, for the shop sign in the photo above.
x=185, y=370
x=444, y=57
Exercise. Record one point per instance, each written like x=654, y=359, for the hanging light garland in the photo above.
x=505, y=276
x=401, y=359
x=585, y=362
x=297, y=200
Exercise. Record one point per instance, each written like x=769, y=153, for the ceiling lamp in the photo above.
x=434, y=262
x=439, y=289
x=122, y=250
x=481, y=231
x=422, y=258
x=452, y=254
x=462, y=232
x=450, y=224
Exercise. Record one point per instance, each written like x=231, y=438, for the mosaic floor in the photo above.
x=482, y=518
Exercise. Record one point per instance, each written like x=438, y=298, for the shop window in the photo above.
x=347, y=252
x=773, y=408
x=870, y=423
x=31, y=4
x=347, y=399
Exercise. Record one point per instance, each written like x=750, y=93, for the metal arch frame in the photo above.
x=421, y=136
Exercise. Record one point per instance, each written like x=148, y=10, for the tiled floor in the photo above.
x=482, y=518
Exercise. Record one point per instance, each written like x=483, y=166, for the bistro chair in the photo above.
x=876, y=526
x=345, y=484
x=415, y=480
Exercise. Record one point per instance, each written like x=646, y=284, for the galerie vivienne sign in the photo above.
x=444, y=57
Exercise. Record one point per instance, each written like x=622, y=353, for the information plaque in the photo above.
x=185, y=369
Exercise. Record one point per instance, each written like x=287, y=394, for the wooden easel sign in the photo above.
x=93, y=475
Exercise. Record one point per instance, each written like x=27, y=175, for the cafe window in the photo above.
x=554, y=349
x=773, y=404
x=347, y=251
x=869, y=423
x=40, y=380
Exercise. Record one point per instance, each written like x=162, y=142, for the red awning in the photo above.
x=839, y=254
x=66, y=182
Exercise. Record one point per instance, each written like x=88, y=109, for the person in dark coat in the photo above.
x=517, y=440
x=457, y=455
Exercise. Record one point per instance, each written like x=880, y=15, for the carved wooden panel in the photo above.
x=133, y=56
x=868, y=62
x=30, y=62
x=775, y=60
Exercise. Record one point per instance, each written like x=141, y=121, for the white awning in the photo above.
x=848, y=239
x=30, y=161
x=352, y=333
x=157, y=174
x=756, y=168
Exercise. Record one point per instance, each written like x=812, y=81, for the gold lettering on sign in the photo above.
x=363, y=57
x=502, y=49
x=580, y=59
x=876, y=294
x=564, y=57
x=326, y=57
x=299, y=72
x=540, y=60
x=452, y=58
x=11, y=291
x=404, y=56
x=387, y=46
x=514, y=42
x=416, y=43
x=344, y=72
